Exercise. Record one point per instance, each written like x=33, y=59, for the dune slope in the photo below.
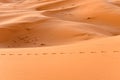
x=89, y=60
x=40, y=23
x=59, y=39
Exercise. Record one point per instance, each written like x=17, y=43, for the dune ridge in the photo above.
x=40, y=23
x=59, y=40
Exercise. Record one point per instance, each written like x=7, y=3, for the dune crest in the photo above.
x=39, y=23
x=59, y=39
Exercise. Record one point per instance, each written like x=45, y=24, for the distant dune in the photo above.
x=56, y=22
x=59, y=39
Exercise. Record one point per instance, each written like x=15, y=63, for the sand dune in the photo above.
x=57, y=22
x=87, y=60
x=59, y=39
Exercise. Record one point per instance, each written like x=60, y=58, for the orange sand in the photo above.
x=59, y=39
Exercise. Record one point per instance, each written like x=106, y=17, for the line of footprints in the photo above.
x=28, y=54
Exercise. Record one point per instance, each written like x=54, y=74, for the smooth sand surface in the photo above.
x=59, y=40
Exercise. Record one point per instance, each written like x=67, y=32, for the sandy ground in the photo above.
x=59, y=40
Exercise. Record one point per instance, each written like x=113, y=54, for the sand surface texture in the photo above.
x=59, y=39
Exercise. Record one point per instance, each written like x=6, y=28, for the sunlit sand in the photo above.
x=59, y=39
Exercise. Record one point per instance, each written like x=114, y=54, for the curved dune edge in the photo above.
x=45, y=23
x=90, y=45
x=90, y=60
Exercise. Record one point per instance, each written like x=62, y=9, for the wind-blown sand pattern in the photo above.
x=59, y=39
x=56, y=22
